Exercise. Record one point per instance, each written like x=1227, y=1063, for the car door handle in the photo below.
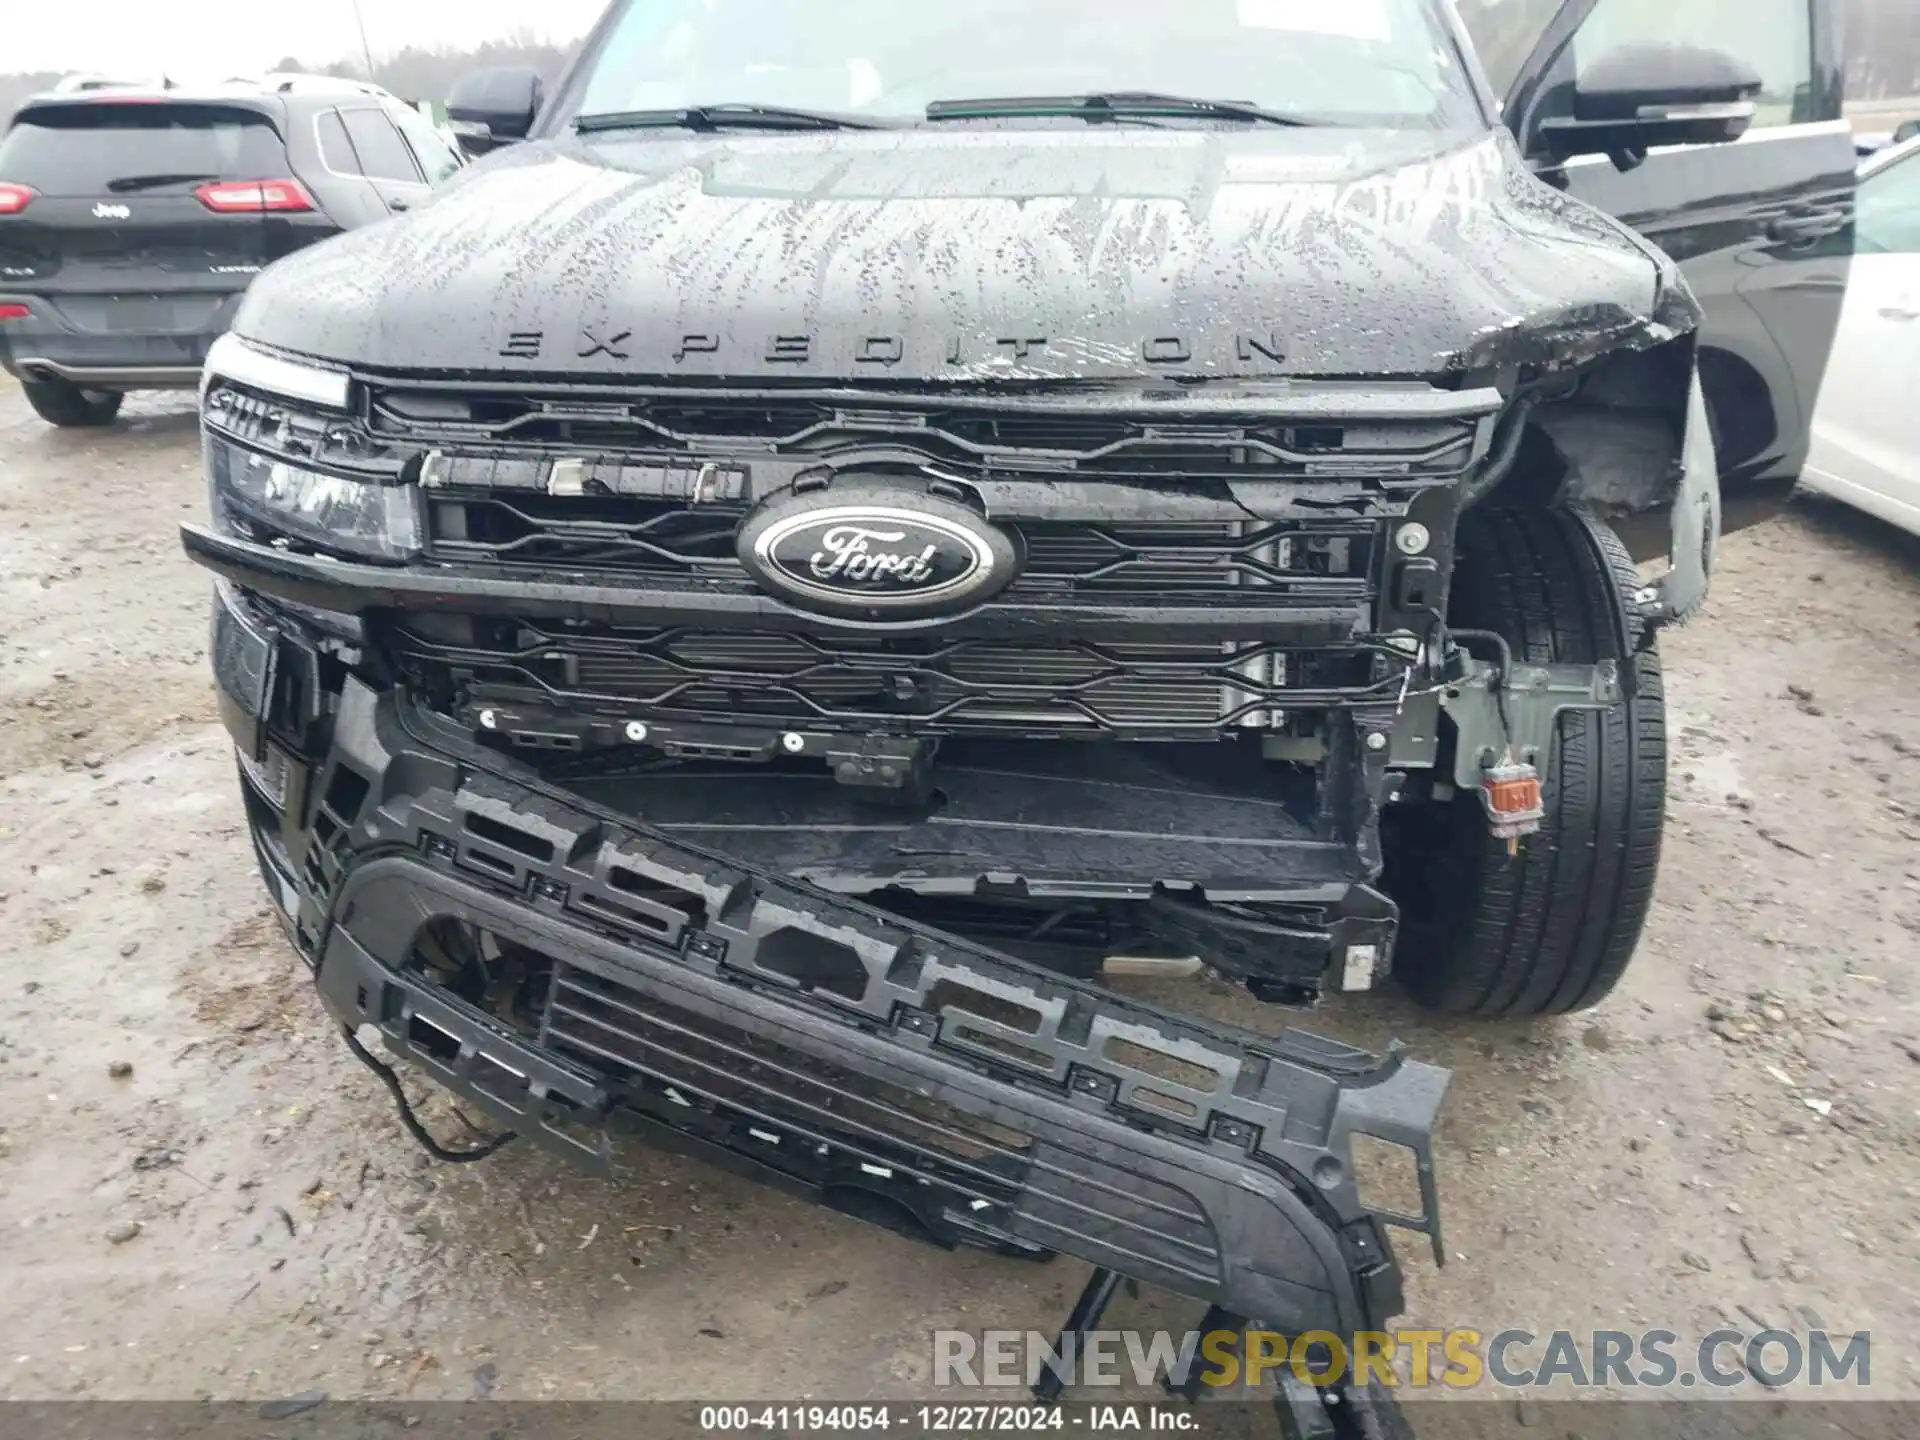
x=399, y=204
x=1804, y=226
x=1899, y=312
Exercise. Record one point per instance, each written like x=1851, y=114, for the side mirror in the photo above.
x=473, y=138
x=494, y=107
x=1639, y=96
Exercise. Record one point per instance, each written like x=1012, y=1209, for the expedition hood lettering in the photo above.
x=979, y=256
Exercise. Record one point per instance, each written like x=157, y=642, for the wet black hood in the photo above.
x=979, y=254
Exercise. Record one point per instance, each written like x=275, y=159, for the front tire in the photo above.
x=1550, y=930
x=61, y=402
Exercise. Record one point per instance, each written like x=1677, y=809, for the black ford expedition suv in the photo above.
x=132, y=221
x=737, y=610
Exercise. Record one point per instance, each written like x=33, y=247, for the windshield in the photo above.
x=1357, y=62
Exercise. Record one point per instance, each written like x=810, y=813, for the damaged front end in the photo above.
x=1194, y=645
x=612, y=815
x=577, y=975
x=579, y=896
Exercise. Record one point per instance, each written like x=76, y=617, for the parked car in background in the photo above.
x=1872, y=142
x=133, y=219
x=1866, y=431
x=1760, y=228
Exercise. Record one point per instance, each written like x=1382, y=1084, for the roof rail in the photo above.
x=81, y=84
x=289, y=82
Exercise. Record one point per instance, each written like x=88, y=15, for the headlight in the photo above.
x=377, y=521
x=264, y=413
x=234, y=359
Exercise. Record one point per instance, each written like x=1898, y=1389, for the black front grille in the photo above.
x=586, y=534
x=1111, y=497
x=962, y=432
x=1123, y=509
x=857, y=681
x=617, y=536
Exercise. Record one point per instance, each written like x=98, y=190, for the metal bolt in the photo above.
x=488, y=720
x=636, y=732
x=1377, y=741
x=793, y=742
x=1231, y=1131
x=1413, y=538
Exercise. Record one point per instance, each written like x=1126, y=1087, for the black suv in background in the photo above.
x=132, y=221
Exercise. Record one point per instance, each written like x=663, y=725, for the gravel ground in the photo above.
x=201, y=1194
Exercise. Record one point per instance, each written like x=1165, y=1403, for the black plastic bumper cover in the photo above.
x=814, y=1043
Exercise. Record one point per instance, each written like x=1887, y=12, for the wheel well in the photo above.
x=1739, y=407
x=1608, y=438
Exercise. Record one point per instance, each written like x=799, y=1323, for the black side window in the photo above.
x=336, y=150
x=383, y=154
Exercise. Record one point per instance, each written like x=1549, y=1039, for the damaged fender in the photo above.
x=1695, y=522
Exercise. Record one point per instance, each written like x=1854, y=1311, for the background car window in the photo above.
x=1774, y=36
x=336, y=151
x=437, y=158
x=1505, y=32
x=1887, y=221
x=82, y=149
x=383, y=155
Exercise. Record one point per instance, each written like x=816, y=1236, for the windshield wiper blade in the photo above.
x=127, y=184
x=715, y=117
x=1105, y=104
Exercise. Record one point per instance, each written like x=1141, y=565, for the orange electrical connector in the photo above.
x=1514, y=803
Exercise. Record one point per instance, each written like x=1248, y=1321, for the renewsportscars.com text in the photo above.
x=1457, y=1359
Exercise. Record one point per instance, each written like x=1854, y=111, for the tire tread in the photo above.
x=1553, y=929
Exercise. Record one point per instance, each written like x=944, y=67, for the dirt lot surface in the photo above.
x=202, y=1194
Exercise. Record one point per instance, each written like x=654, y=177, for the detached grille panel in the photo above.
x=815, y=1120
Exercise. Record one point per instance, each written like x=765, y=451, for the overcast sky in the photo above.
x=193, y=38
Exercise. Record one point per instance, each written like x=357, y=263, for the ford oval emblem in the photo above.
x=877, y=552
